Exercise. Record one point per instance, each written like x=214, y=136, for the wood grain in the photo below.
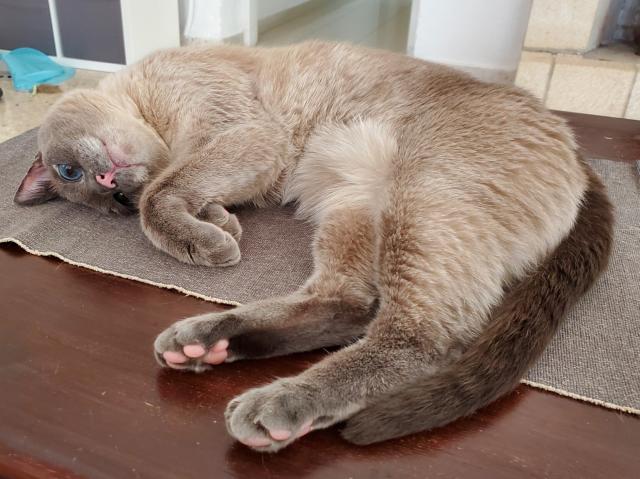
x=83, y=397
x=606, y=138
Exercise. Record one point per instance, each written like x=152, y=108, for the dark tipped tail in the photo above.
x=520, y=328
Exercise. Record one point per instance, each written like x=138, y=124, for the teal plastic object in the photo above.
x=30, y=67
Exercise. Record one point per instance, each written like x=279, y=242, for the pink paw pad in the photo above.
x=280, y=434
x=174, y=357
x=256, y=441
x=218, y=353
x=305, y=429
x=221, y=345
x=215, y=357
x=194, y=350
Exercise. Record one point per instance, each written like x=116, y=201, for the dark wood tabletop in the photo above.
x=81, y=395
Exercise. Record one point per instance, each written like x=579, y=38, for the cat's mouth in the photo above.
x=125, y=201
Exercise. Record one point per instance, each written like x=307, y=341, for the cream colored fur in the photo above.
x=431, y=191
x=343, y=167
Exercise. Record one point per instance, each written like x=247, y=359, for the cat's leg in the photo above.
x=431, y=305
x=394, y=353
x=275, y=327
x=182, y=211
x=333, y=308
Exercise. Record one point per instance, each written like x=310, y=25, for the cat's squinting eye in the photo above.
x=69, y=172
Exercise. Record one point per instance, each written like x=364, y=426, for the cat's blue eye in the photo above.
x=69, y=172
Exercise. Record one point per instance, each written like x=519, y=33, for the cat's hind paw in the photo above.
x=271, y=417
x=177, y=347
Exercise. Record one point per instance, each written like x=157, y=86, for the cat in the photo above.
x=455, y=222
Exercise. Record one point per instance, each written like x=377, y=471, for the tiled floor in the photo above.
x=374, y=23
x=21, y=111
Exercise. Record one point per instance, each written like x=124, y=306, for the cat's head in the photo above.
x=94, y=151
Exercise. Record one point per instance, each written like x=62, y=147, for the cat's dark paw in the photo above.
x=196, y=344
x=271, y=417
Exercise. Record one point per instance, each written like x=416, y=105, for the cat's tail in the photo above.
x=520, y=328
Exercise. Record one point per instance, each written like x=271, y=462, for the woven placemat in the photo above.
x=594, y=357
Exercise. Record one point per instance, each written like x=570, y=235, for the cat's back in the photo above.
x=404, y=90
x=186, y=72
x=313, y=82
x=334, y=82
x=323, y=76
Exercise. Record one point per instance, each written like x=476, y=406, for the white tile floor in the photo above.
x=21, y=111
x=374, y=23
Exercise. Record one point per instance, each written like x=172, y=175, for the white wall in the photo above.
x=149, y=25
x=482, y=37
x=218, y=19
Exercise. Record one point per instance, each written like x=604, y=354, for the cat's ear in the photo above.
x=36, y=187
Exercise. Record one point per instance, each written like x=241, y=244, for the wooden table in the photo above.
x=82, y=396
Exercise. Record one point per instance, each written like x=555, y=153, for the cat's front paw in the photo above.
x=219, y=216
x=271, y=417
x=208, y=246
x=193, y=240
x=196, y=344
x=208, y=251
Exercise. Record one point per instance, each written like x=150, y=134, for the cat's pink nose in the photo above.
x=106, y=179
